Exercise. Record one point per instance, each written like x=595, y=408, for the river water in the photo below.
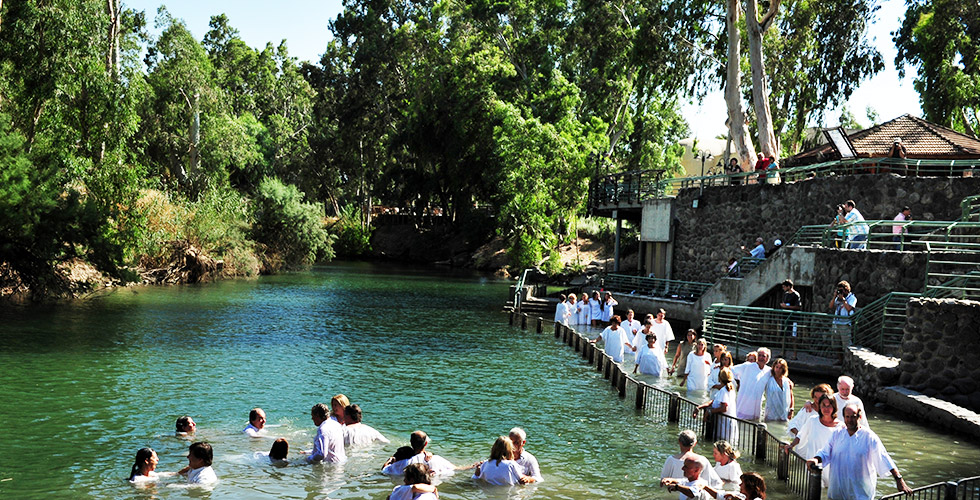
x=84, y=385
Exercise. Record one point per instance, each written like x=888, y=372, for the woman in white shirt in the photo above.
x=698, y=367
x=614, y=340
x=584, y=310
x=418, y=485
x=144, y=468
x=779, y=393
x=595, y=305
x=501, y=469
x=723, y=403
x=726, y=466
x=816, y=432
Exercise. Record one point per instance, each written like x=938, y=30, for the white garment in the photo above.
x=499, y=472
x=596, y=307
x=713, y=380
x=362, y=434
x=528, y=466
x=253, y=431
x=696, y=486
x=725, y=428
x=839, y=309
x=697, y=370
x=573, y=310
x=561, y=313
x=673, y=469
x=730, y=474
x=664, y=334
x=404, y=492
x=651, y=361
x=778, y=399
x=752, y=386
x=584, y=313
x=398, y=468
x=328, y=445
x=633, y=328
x=814, y=436
x=608, y=309
x=800, y=419
x=854, y=461
x=201, y=475
x=614, y=342
x=852, y=399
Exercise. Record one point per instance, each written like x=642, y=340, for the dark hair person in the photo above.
x=144, y=465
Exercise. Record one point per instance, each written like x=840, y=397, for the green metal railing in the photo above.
x=970, y=209
x=519, y=291
x=967, y=488
x=747, y=264
x=953, y=270
x=881, y=235
x=880, y=325
x=655, y=287
x=786, y=332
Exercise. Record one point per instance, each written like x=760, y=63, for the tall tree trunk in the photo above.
x=113, y=10
x=733, y=98
x=195, y=139
x=760, y=88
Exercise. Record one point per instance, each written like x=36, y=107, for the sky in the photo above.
x=305, y=26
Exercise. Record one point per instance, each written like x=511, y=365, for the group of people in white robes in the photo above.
x=596, y=311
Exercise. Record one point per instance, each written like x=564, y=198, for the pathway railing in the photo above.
x=629, y=188
x=744, y=328
x=953, y=270
x=880, y=324
x=519, y=291
x=964, y=489
x=655, y=287
x=970, y=207
x=881, y=235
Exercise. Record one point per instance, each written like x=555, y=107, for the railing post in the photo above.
x=950, y=491
x=523, y=321
x=674, y=407
x=540, y=324
x=591, y=353
x=558, y=327
x=607, y=369
x=710, y=420
x=760, y=442
x=622, y=383
x=782, y=465
x=513, y=314
x=641, y=394
x=813, y=487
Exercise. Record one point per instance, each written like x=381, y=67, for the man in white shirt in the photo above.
x=328, y=445
x=752, y=386
x=661, y=328
x=857, y=234
x=689, y=486
x=418, y=441
x=256, y=423
x=526, y=461
x=845, y=396
x=857, y=456
x=356, y=433
x=673, y=466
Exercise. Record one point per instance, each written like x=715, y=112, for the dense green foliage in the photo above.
x=465, y=108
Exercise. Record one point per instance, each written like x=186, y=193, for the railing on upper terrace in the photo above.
x=970, y=209
x=882, y=235
x=880, y=325
x=636, y=186
x=953, y=270
x=655, y=287
x=744, y=328
x=627, y=188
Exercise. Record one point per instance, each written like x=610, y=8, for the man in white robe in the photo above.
x=690, y=485
x=328, y=445
x=526, y=461
x=356, y=433
x=752, y=380
x=857, y=456
x=419, y=440
x=661, y=328
x=845, y=396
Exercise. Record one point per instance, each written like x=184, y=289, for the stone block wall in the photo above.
x=727, y=217
x=871, y=273
x=939, y=350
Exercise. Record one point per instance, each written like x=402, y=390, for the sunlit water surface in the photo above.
x=84, y=385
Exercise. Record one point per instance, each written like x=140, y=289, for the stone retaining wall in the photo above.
x=939, y=350
x=705, y=237
x=870, y=371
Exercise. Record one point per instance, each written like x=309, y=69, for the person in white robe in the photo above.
x=779, y=393
x=856, y=457
x=328, y=445
x=584, y=310
x=723, y=359
x=199, y=459
x=419, y=440
x=723, y=403
x=614, y=340
x=528, y=464
x=418, y=485
x=631, y=324
x=608, y=307
x=256, y=423
x=690, y=485
x=845, y=396
x=726, y=465
x=561, y=310
x=357, y=433
x=672, y=468
x=649, y=359
x=752, y=379
x=661, y=328
x=572, y=309
x=809, y=409
x=698, y=367
x=501, y=469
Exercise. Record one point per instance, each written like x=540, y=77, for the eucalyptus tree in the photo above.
x=941, y=40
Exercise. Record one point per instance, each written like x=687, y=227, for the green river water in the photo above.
x=84, y=385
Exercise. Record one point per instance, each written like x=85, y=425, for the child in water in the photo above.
x=418, y=485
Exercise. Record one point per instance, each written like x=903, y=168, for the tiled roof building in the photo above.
x=922, y=140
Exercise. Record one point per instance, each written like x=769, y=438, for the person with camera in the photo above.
x=844, y=304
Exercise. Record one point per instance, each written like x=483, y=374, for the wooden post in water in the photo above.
x=513, y=313
x=607, y=370
x=760, y=442
x=523, y=321
x=641, y=394
x=623, y=380
x=540, y=324
x=782, y=466
x=813, y=487
x=591, y=354
x=674, y=407
x=557, y=329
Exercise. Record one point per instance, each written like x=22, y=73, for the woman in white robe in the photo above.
x=698, y=367
x=779, y=393
x=595, y=305
x=726, y=465
x=584, y=310
x=723, y=404
x=816, y=433
x=649, y=360
x=614, y=340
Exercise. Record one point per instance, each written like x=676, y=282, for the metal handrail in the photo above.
x=630, y=187
x=913, y=235
x=655, y=287
x=881, y=323
x=970, y=208
x=748, y=264
x=744, y=328
x=519, y=291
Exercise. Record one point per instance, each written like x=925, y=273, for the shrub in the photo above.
x=353, y=238
x=291, y=230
